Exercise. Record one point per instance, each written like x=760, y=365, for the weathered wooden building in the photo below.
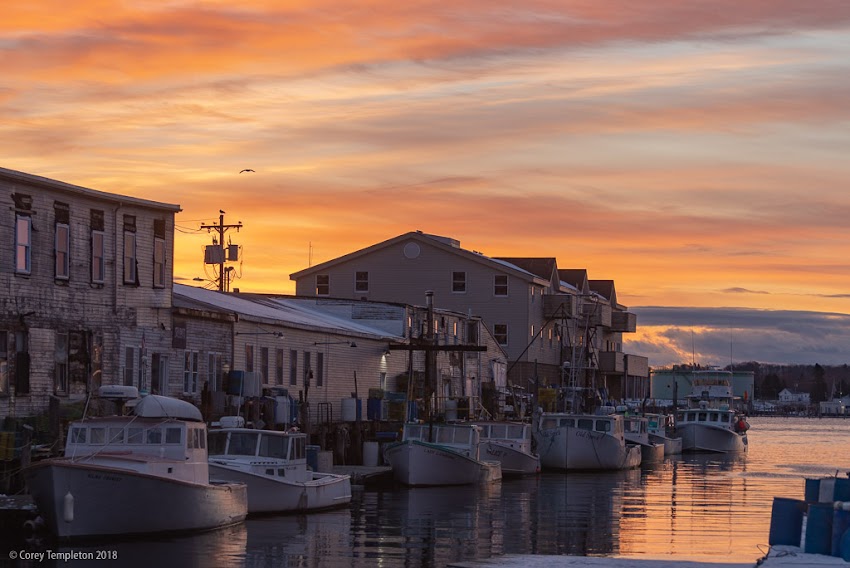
x=553, y=324
x=86, y=281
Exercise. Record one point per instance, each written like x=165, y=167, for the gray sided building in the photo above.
x=553, y=324
x=86, y=279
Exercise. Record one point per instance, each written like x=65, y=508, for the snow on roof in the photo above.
x=284, y=311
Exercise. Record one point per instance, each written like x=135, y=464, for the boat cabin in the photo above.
x=166, y=447
x=512, y=435
x=271, y=453
x=461, y=437
x=610, y=424
x=722, y=418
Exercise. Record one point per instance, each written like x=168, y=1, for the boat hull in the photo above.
x=707, y=438
x=268, y=494
x=417, y=463
x=514, y=462
x=651, y=453
x=110, y=501
x=672, y=446
x=568, y=448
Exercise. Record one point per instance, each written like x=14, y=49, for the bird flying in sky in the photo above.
x=246, y=170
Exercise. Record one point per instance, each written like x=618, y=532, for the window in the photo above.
x=323, y=285
x=134, y=435
x=130, y=276
x=23, y=244
x=308, y=371
x=264, y=363
x=278, y=367
x=60, y=358
x=361, y=281
x=172, y=436
x=98, y=263
x=159, y=263
x=320, y=369
x=78, y=435
x=22, y=362
x=249, y=358
x=63, y=251
x=129, y=366
x=5, y=353
x=98, y=436
x=215, y=374
x=190, y=372
x=459, y=282
x=293, y=367
x=500, y=333
x=159, y=373
x=500, y=285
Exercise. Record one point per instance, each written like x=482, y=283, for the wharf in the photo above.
x=778, y=557
x=365, y=474
x=15, y=510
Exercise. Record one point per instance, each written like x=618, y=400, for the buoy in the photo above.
x=68, y=513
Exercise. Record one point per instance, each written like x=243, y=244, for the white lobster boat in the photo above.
x=273, y=464
x=710, y=424
x=636, y=431
x=509, y=443
x=659, y=427
x=569, y=442
x=440, y=454
x=135, y=474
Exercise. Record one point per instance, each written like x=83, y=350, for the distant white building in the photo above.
x=787, y=396
x=832, y=408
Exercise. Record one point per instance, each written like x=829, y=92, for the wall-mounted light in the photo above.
x=387, y=353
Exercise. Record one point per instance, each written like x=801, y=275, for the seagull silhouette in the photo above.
x=243, y=171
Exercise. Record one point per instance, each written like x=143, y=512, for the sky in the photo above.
x=696, y=152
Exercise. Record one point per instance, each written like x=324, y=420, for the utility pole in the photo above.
x=221, y=228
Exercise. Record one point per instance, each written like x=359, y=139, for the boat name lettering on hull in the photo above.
x=105, y=477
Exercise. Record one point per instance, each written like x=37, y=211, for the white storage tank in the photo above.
x=350, y=409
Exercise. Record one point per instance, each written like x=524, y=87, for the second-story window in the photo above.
x=500, y=285
x=500, y=333
x=131, y=275
x=23, y=244
x=323, y=285
x=293, y=367
x=159, y=253
x=63, y=251
x=62, y=241
x=98, y=247
x=459, y=282
x=361, y=281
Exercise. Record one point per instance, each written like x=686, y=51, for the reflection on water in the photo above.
x=697, y=507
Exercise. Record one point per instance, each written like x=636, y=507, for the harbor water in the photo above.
x=697, y=507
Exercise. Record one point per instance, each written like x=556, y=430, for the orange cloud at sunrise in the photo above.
x=695, y=153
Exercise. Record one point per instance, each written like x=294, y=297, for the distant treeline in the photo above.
x=822, y=382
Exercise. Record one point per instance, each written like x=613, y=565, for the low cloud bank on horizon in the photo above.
x=718, y=336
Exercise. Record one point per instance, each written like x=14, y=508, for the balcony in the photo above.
x=559, y=306
x=616, y=362
x=625, y=322
x=597, y=314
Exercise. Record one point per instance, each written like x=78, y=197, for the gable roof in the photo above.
x=445, y=243
x=575, y=277
x=543, y=267
x=604, y=288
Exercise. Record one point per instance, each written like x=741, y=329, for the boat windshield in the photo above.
x=273, y=446
x=217, y=442
x=243, y=444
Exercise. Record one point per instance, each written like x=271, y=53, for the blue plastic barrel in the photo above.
x=840, y=525
x=819, y=529
x=812, y=490
x=786, y=521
